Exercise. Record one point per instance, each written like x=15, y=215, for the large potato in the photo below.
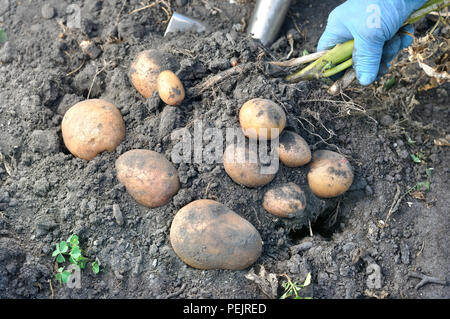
x=286, y=201
x=259, y=116
x=145, y=69
x=293, y=150
x=206, y=234
x=170, y=88
x=238, y=165
x=148, y=177
x=91, y=127
x=330, y=174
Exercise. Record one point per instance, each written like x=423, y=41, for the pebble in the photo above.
x=7, y=53
x=404, y=251
x=47, y=11
x=374, y=278
x=118, y=214
x=300, y=247
x=386, y=120
x=181, y=3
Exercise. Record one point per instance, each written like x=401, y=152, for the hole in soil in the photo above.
x=326, y=225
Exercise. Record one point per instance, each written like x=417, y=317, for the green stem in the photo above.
x=338, y=54
x=339, y=68
x=428, y=7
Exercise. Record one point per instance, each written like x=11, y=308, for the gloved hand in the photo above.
x=374, y=25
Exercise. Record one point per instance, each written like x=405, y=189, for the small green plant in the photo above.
x=418, y=157
x=72, y=250
x=3, y=36
x=390, y=83
x=292, y=289
x=423, y=186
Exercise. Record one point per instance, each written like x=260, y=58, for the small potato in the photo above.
x=259, y=116
x=170, y=89
x=285, y=201
x=293, y=150
x=330, y=174
x=148, y=177
x=237, y=161
x=206, y=234
x=91, y=127
x=145, y=69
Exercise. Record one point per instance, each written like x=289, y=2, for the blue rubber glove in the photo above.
x=374, y=25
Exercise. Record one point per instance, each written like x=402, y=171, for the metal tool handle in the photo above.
x=267, y=19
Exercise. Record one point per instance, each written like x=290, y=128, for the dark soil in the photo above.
x=46, y=194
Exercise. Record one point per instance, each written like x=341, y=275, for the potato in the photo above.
x=285, y=201
x=206, y=234
x=145, y=70
x=148, y=177
x=244, y=172
x=330, y=174
x=170, y=89
x=259, y=116
x=293, y=150
x=91, y=127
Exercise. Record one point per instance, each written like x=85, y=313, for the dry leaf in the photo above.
x=417, y=195
x=443, y=141
x=267, y=282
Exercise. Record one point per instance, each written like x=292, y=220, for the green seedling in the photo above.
x=390, y=83
x=418, y=157
x=424, y=186
x=292, y=289
x=63, y=275
x=411, y=141
x=3, y=36
x=71, y=249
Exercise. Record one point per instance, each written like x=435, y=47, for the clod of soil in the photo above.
x=330, y=174
x=145, y=69
x=170, y=88
x=91, y=127
x=293, y=150
x=287, y=201
x=206, y=234
x=148, y=177
x=239, y=166
x=259, y=116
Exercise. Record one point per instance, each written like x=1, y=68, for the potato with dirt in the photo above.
x=242, y=164
x=330, y=174
x=262, y=119
x=145, y=69
x=293, y=150
x=206, y=234
x=170, y=88
x=286, y=201
x=148, y=177
x=91, y=127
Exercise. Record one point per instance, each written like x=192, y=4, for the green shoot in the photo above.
x=63, y=275
x=3, y=36
x=71, y=249
x=292, y=289
x=411, y=141
x=390, y=83
x=424, y=186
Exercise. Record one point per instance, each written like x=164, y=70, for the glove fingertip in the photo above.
x=366, y=78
